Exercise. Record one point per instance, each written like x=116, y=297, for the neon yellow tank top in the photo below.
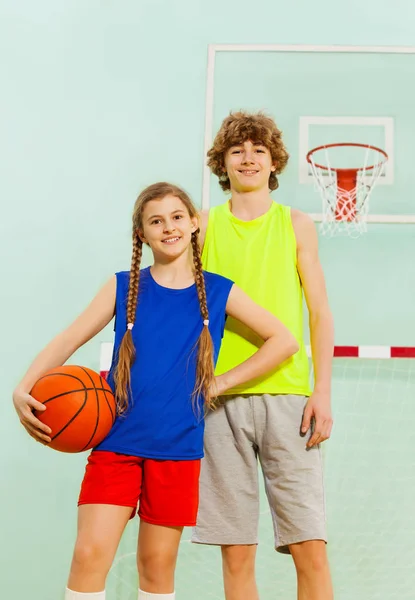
x=260, y=256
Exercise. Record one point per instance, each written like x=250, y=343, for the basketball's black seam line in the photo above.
x=109, y=407
x=97, y=417
x=80, y=409
x=107, y=390
x=64, y=375
x=73, y=392
x=106, y=400
x=108, y=403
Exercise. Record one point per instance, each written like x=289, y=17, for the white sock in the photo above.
x=71, y=595
x=147, y=596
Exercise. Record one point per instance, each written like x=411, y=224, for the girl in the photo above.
x=169, y=321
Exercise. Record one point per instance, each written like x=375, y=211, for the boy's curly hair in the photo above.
x=239, y=127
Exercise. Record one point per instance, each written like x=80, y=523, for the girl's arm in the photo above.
x=90, y=322
x=279, y=343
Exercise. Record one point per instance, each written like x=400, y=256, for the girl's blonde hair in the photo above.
x=126, y=352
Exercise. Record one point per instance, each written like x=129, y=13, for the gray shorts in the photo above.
x=242, y=431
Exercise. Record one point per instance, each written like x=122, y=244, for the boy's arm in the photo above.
x=321, y=327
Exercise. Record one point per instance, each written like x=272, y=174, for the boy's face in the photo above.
x=248, y=166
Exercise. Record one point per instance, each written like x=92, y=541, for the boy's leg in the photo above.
x=108, y=499
x=293, y=479
x=238, y=566
x=229, y=499
x=313, y=572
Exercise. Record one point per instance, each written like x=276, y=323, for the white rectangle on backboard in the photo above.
x=305, y=175
x=105, y=356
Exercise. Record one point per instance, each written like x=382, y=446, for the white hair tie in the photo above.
x=130, y=326
x=206, y=322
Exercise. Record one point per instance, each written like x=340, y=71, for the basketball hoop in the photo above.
x=346, y=191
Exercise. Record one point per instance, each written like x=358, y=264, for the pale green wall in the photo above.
x=100, y=98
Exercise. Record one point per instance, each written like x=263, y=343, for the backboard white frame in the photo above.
x=213, y=49
x=305, y=174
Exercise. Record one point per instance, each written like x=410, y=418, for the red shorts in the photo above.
x=168, y=490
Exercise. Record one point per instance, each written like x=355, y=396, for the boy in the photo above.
x=271, y=252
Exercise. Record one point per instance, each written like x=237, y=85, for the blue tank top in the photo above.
x=161, y=421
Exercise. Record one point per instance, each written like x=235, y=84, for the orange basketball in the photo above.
x=80, y=407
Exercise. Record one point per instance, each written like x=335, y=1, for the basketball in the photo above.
x=80, y=407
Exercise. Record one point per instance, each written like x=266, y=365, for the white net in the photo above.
x=370, y=484
x=345, y=211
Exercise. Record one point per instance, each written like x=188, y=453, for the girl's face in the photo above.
x=167, y=227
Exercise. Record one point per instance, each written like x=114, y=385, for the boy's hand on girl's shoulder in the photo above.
x=318, y=410
x=25, y=404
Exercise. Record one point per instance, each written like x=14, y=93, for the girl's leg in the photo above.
x=169, y=502
x=100, y=527
x=158, y=546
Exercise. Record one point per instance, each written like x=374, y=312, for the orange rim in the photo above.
x=342, y=144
